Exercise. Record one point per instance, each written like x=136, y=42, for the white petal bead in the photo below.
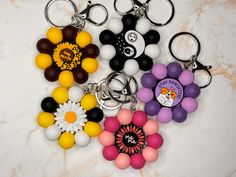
x=52, y=133
x=143, y=26
x=115, y=25
x=131, y=67
x=153, y=51
x=75, y=93
x=81, y=139
x=107, y=52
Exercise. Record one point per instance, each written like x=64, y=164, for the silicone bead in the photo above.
x=52, y=73
x=192, y=90
x=60, y=95
x=92, y=129
x=117, y=63
x=139, y=118
x=88, y=102
x=150, y=154
x=81, y=139
x=148, y=80
x=45, y=46
x=91, y=51
x=112, y=124
x=115, y=25
x=145, y=63
x=90, y=65
x=155, y=141
x=129, y=21
x=106, y=138
x=66, y=140
x=179, y=115
x=186, y=78
x=45, y=119
x=153, y=51
x=122, y=161
x=43, y=61
x=174, y=70
x=107, y=37
x=159, y=71
x=131, y=67
x=83, y=39
x=124, y=116
x=69, y=33
x=110, y=152
x=152, y=37
x=54, y=34
x=152, y=108
x=189, y=104
x=52, y=133
x=75, y=93
x=95, y=115
x=143, y=26
x=107, y=52
x=66, y=79
x=137, y=161
x=48, y=104
x=145, y=95
x=164, y=115
x=80, y=76
x=151, y=127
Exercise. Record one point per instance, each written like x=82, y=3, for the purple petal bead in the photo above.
x=152, y=108
x=186, y=78
x=189, y=104
x=192, y=90
x=164, y=115
x=145, y=95
x=174, y=70
x=159, y=71
x=179, y=115
x=148, y=80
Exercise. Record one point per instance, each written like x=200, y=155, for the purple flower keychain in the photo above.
x=170, y=92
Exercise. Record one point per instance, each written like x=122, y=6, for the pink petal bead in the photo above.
x=151, y=127
x=140, y=118
x=137, y=161
x=159, y=71
x=124, y=116
x=186, y=77
x=122, y=161
x=106, y=138
x=150, y=154
x=164, y=115
x=189, y=104
x=145, y=95
x=110, y=152
x=112, y=124
x=155, y=141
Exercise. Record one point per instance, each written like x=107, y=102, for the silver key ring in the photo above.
x=78, y=19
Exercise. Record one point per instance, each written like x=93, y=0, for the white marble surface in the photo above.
x=204, y=146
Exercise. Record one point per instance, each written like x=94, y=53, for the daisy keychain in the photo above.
x=129, y=43
x=67, y=53
x=170, y=92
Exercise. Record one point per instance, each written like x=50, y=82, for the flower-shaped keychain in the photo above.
x=70, y=117
x=67, y=54
x=130, y=139
x=129, y=43
x=169, y=92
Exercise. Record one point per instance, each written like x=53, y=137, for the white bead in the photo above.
x=131, y=67
x=81, y=139
x=153, y=51
x=143, y=26
x=115, y=25
x=107, y=52
x=52, y=133
x=75, y=93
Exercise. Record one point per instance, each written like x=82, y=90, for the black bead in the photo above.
x=80, y=75
x=107, y=37
x=45, y=46
x=145, y=63
x=152, y=37
x=69, y=33
x=48, y=104
x=129, y=21
x=117, y=63
x=52, y=73
x=95, y=115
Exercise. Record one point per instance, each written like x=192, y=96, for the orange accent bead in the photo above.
x=70, y=117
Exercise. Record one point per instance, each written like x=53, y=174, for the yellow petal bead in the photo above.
x=54, y=34
x=60, y=94
x=88, y=102
x=43, y=61
x=92, y=129
x=45, y=119
x=66, y=140
x=90, y=65
x=66, y=79
x=83, y=39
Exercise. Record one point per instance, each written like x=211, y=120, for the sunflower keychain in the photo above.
x=129, y=43
x=67, y=53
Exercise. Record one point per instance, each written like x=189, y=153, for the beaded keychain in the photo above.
x=169, y=92
x=67, y=54
x=129, y=43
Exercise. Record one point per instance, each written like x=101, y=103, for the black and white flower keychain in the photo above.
x=129, y=43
